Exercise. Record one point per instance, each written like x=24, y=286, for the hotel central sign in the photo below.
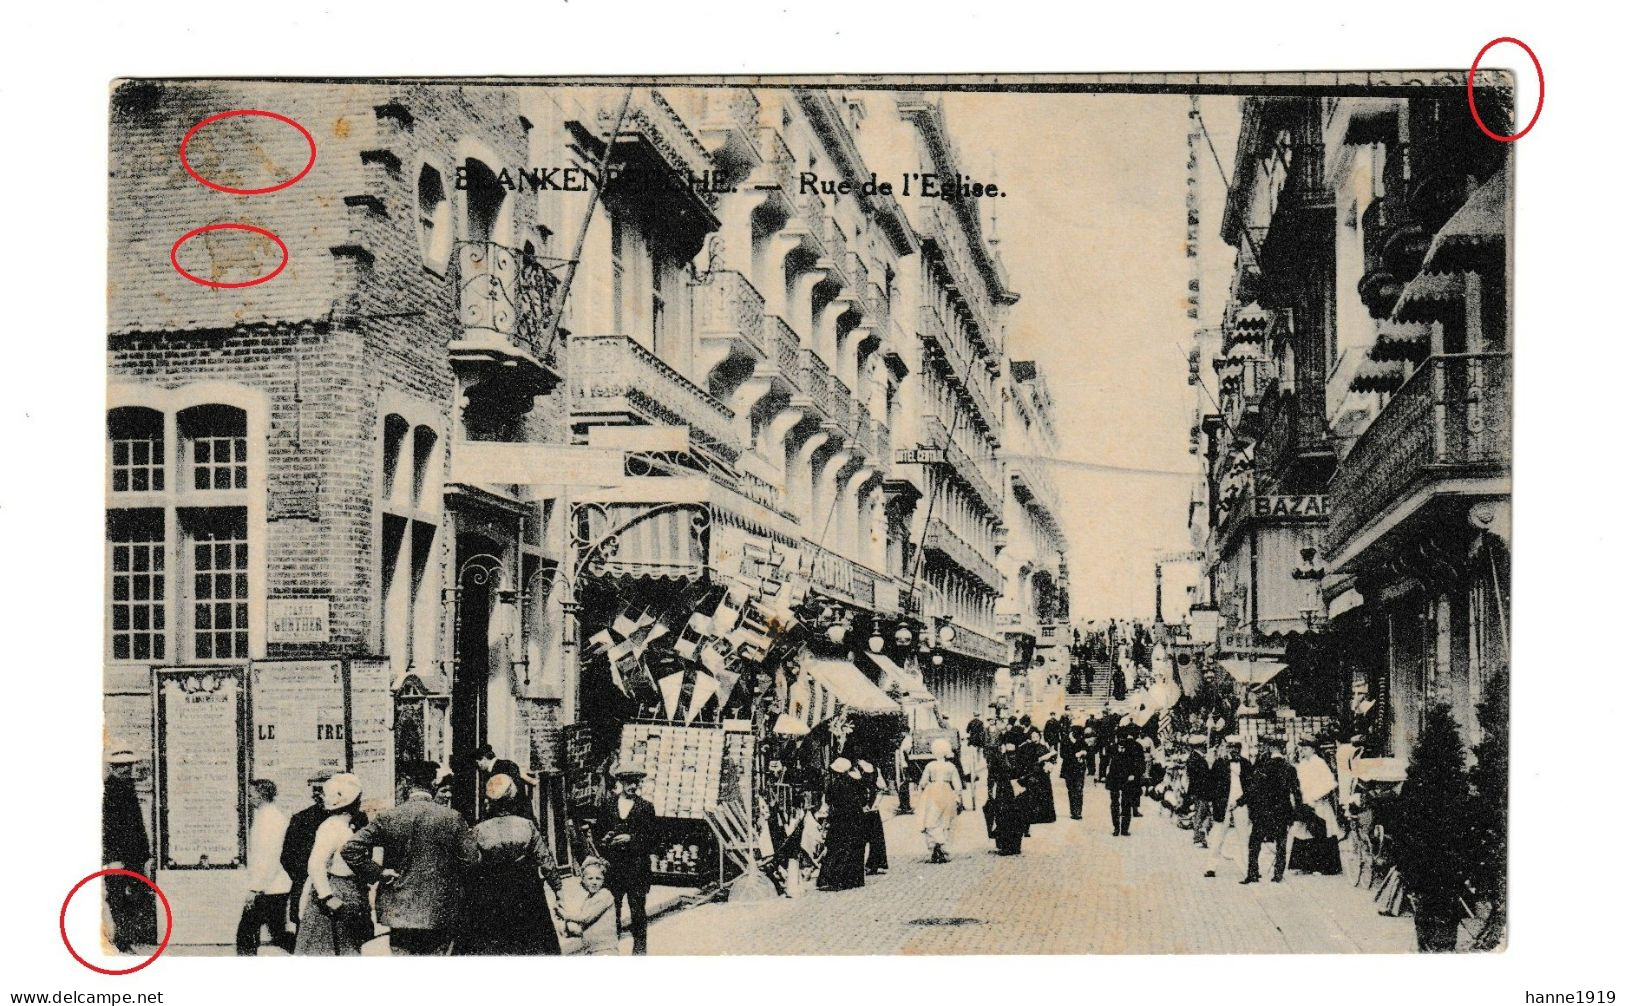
x=1289, y=507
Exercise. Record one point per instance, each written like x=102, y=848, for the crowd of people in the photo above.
x=333, y=878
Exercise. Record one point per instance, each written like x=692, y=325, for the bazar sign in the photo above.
x=1292, y=506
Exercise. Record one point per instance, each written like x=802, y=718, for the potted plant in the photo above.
x=1434, y=833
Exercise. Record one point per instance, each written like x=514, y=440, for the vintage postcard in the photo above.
x=808, y=515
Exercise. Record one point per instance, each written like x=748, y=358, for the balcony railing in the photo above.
x=834, y=240
x=940, y=537
x=841, y=404
x=727, y=306
x=1450, y=420
x=651, y=116
x=734, y=112
x=974, y=643
x=783, y=350
x=974, y=473
x=777, y=154
x=962, y=362
x=817, y=383
x=502, y=290
x=612, y=375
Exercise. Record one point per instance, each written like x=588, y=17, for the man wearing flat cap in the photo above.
x=626, y=833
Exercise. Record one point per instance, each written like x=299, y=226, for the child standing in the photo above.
x=590, y=915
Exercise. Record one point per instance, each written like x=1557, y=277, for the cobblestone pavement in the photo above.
x=1075, y=890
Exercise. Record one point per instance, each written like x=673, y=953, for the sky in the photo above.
x=1093, y=239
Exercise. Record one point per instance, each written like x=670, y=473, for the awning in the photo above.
x=1477, y=231
x=1378, y=375
x=1252, y=672
x=850, y=687
x=911, y=685
x=1425, y=297
x=1401, y=341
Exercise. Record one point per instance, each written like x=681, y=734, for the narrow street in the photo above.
x=1074, y=890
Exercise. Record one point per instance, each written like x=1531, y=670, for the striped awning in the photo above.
x=1475, y=232
x=1401, y=341
x=850, y=687
x=1378, y=376
x=1425, y=297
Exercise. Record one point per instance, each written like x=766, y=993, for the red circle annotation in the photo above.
x=234, y=113
x=174, y=255
x=1472, y=105
x=169, y=922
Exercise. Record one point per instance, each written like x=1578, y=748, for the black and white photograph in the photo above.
x=954, y=515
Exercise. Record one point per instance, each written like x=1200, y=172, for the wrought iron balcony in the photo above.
x=783, y=348
x=615, y=379
x=817, y=383
x=728, y=308
x=1451, y=420
x=841, y=413
x=505, y=304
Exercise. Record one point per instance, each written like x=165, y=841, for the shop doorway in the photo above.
x=479, y=575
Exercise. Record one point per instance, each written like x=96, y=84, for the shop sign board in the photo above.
x=297, y=620
x=1312, y=507
x=201, y=797
x=922, y=456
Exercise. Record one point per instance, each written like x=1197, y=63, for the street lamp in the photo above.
x=877, y=642
x=903, y=636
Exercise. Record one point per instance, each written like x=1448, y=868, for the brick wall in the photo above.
x=354, y=314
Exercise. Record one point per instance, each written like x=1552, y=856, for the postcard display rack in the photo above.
x=683, y=766
x=686, y=767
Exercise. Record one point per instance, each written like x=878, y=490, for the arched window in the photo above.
x=135, y=438
x=215, y=446
x=434, y=218
x=483, y=200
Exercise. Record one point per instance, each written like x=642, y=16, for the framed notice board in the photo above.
x=202, y=796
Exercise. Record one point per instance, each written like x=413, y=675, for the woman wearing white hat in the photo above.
x=939, y=799
x=335, y=919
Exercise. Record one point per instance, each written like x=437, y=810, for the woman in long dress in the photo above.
x=846, y=797
x=1034, y=756
x=1316, y=832
x=505, y=910
x=335, y=919
x=1006, y=805
x=939, y=800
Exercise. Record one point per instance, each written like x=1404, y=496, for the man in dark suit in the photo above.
x=626, y=834
x=299, y=840
x=427, y=849
x=125, y=846
x=1125, y=772
x=1271, y=797
x=1199, y=790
